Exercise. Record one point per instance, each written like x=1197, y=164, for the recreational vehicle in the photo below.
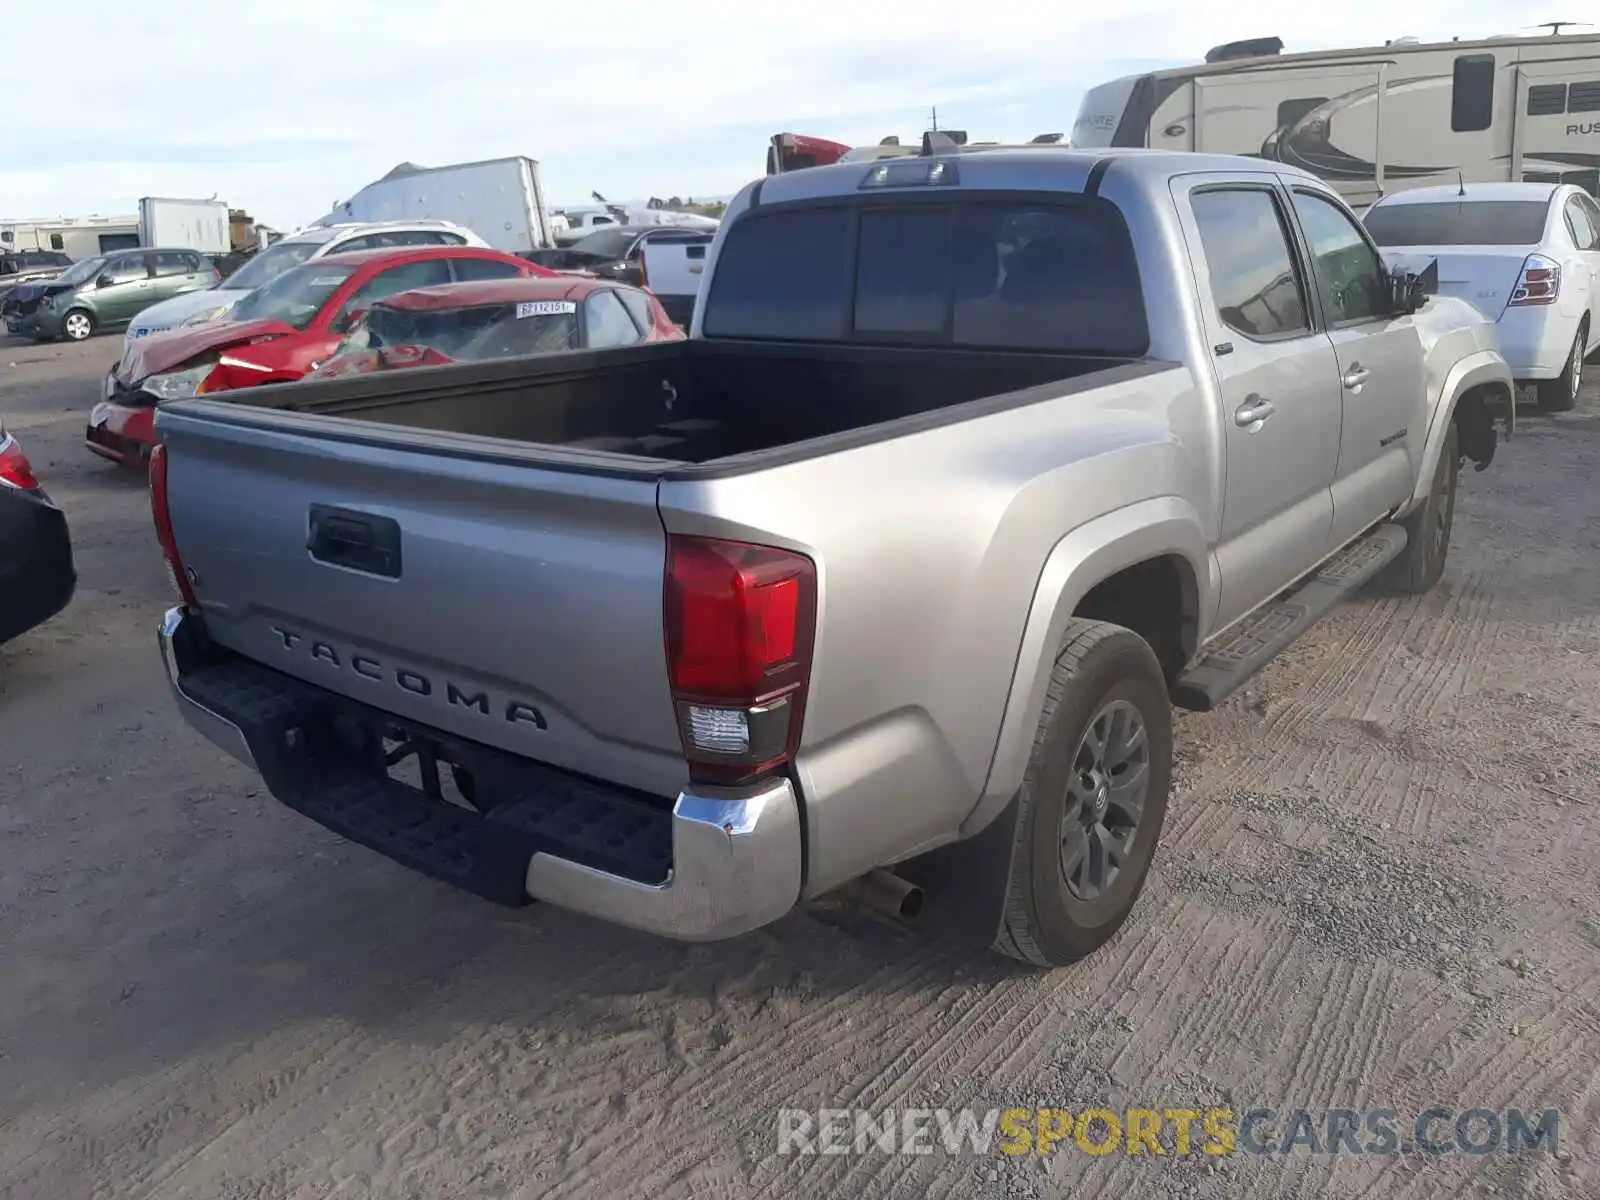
x=1376, y=120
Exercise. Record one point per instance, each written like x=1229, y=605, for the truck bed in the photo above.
x=689, y=402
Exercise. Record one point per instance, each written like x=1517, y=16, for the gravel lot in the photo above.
x=1378, y=888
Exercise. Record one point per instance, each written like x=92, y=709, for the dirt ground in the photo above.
x=1377, y=888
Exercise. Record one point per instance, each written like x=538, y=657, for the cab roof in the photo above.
x=1020, y=168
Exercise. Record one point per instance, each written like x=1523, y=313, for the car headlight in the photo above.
x=176, y=385
x=206, y=314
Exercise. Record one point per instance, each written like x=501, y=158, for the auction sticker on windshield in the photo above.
x=545, y=308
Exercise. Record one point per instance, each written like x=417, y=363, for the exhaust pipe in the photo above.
x=888, y=893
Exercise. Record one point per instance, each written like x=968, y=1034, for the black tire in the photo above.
x=1561, y=395
x=1046, y=921
x=1428, y=529
x=84, y=328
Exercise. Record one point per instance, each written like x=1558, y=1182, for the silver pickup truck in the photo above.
x=973, y=464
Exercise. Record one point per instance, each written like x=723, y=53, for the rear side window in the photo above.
x=638, y=308
x=1472, y=98
x=1257, y=290
x=997, y=273
x=472, y=269
x=1470, y=223
x=174, y=262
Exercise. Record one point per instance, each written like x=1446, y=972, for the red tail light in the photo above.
x=1539, y=283
x=163, y=519
x=740, y=620
x=15, y=470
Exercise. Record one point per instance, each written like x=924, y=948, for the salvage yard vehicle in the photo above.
x=277, y=333
x=660, y=257
x=504, y=318
x=305, y=246
x=972, y=463
x=104, y=292
x=1526, y=255
x=29, y=266
x=37, y=577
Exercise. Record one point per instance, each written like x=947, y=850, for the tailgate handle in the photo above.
x=342, y=537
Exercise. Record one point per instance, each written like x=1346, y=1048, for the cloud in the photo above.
x=283, y=106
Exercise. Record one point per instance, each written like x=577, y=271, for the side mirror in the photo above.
x=1407, y=293
x=104, y=281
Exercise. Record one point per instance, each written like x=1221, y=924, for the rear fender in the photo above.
x=1090, y=554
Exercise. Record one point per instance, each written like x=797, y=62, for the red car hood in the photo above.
x=162, y=352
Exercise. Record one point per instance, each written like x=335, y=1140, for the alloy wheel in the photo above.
x=1105, y=800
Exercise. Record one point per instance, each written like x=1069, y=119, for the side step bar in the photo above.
x=1261, y=636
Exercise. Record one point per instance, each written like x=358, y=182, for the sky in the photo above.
x=283, y=107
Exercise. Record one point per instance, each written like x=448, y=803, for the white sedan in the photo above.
x=1526, y=255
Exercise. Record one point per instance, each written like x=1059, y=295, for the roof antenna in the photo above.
x=1461, y=183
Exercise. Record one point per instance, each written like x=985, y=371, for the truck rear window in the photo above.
x=1458, y=223
x=1005, y=274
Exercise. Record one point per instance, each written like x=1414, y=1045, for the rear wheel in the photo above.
x=77, y=325
x=1561, y=394
x=1093, y=800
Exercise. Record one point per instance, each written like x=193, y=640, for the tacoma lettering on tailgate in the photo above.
x=476, y=700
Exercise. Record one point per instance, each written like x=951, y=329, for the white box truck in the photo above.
x=499, y=199
x=184, y=224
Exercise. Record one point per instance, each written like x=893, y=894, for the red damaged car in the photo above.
x=472, y=322
x=37, y=577
x=279, y=332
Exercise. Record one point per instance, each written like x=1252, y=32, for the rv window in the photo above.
x=1547, y=99
x=1451, y=223
x=57, y=242
x=1254, y=282
x=1584, y=97
x=1472, y=101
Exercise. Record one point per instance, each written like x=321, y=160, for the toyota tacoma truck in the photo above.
x=973, y=465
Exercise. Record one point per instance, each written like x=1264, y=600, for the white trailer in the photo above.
x=184, y=224
x=1376, y=119
x=499, y=199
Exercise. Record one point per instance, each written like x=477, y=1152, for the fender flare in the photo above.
x=1090, y=554
x=1473, y=371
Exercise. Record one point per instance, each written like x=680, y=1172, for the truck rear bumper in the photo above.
x=712, y=864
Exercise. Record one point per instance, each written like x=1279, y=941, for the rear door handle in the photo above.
x=1252, y=412
x=1356, y=376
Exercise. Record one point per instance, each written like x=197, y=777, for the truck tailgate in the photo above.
x=515, y=605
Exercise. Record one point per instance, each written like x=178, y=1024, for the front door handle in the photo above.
x=1356, y=376
x=1252, y=412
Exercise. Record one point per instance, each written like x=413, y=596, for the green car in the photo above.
x=105, y=292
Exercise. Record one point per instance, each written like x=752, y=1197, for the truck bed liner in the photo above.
x=692, y=401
